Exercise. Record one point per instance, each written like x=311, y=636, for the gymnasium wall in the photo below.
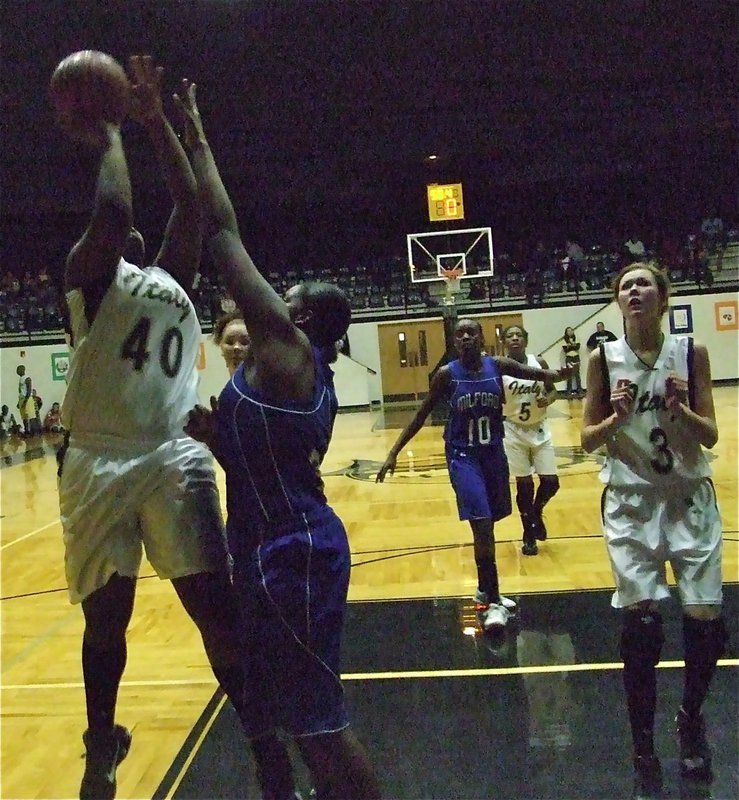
x=714, y=322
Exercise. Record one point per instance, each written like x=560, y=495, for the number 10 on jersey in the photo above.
x=478, y=431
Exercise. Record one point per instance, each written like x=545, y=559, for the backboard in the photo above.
x=468, y=250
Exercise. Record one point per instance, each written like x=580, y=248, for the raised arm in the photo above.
x=551, y=391
x=92, y=261
x=265, y=313
x=180, y=250
x=509, y=366
x=439, y=389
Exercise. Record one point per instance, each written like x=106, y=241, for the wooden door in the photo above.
x=492, y=330
x=408, y=352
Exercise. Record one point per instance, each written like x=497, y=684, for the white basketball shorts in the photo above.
x=529, y=450
x=645, y=528
x=115, y=502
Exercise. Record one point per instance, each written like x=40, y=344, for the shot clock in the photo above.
x=445, y=201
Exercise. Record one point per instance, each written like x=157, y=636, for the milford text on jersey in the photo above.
x=474, y=399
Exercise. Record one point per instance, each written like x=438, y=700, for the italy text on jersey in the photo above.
x=148, y=287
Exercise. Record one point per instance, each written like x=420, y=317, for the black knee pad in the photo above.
x=548, y=487
x=642, y=638
x=704, y=640
x=524, y=495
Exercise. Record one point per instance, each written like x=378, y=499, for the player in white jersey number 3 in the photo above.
x=649, y=400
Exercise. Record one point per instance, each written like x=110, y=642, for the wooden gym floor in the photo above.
x=445, y=712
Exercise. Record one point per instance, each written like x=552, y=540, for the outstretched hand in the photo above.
x=388, y=466
x=186, y=102
x=201, y=422
x=146, y=81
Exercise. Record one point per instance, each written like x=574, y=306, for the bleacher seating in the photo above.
x=33, y=305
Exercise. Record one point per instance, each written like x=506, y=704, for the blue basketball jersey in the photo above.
x=272, y=453
x=475, y=406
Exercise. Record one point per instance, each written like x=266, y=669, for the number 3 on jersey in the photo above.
x=665, y=460
x=478, y=431
x=136, y=348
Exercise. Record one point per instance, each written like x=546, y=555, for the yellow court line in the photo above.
x=532, y=670
x=28, y=535
x=401, y=675
x=195, y=749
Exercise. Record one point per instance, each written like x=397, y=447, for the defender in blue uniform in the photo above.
x=270, y=431
x=473, y=436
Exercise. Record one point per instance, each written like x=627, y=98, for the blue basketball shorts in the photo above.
x=292, y=590
x=479, y=477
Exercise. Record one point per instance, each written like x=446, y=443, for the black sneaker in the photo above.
x=104, y=752
x=647, y=778
x=695, y=754
x=530, y=548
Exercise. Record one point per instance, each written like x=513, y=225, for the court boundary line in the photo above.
x=28, y=535
x=480, y=672
x=194, y=749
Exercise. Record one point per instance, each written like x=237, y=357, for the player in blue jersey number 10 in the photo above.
x=472, y=385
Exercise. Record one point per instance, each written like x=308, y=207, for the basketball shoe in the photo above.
x=695, y=754
x=481, y=599
x=104, y=752
x=647, y=778
x=493, y=616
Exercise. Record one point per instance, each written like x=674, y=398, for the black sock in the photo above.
x=102, y=670
x=641, y=643
x=548, y=487
x=704, y=642
x=487, y=578
x=525, y=496
x=230, y=678
x=273, y=766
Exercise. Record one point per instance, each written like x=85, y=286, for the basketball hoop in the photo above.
x=453, y=284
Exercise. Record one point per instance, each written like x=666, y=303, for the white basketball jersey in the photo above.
x=651, y=448
x=133, y=373
x=521, y=398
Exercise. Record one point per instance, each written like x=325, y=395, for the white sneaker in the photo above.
x=481, y=599
x=495, y=618
x=508, y=604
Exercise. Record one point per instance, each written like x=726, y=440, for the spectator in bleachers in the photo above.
x=8, y=424
x=52, y=420
x=540, y=259
x=571, y=360
x=634, y=248
x=573, y=265
x=712, y=229
x=600, y=336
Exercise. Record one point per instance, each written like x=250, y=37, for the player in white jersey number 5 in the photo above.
x=528, y=440
x=649, y=400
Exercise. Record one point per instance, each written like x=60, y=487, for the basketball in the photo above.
x=88, y=87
